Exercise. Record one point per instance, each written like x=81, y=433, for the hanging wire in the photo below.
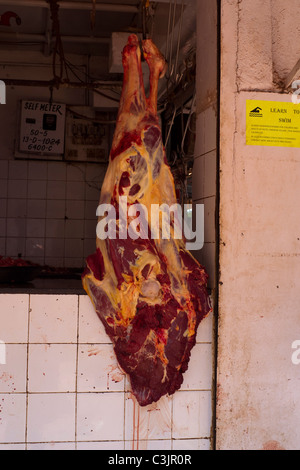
x=168, y=32
x=172, y=77
x=171, y=125
x=88, y=81
x=179, y=38
x=187, y=125
x=58, y=45
x=170, y=37
x=145, y=14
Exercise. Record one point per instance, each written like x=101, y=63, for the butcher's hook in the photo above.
x=146, y=4
x=6, y=17
x=145, y=10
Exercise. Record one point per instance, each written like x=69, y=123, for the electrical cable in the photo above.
x=87, y=118
x=58, y=45
x=187, y=125
x=179, y=39
x=70, y=66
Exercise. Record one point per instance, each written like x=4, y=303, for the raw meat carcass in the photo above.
x=149, y=293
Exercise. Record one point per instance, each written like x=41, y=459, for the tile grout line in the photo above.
x=124, y=411
x=27, y=373
x=76, y=372
x=172, y=406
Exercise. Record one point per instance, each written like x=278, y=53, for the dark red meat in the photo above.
x=150, y=294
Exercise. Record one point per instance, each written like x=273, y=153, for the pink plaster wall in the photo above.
x=258, y=404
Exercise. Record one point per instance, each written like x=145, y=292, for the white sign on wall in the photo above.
x=42, y=128
x=87, y=136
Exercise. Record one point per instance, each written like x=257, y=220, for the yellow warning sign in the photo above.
x=272, y=123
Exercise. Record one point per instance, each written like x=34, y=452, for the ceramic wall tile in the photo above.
x=14, y=318
x=51, y=417
x=35, y=228
x=56, y=190
x=56, y=209
x=75, y=172
x=12, y=417
x=2, y=228
x=35, y=247
x=36, y=189
x=74, y=247
x=73, y=263
x=148, y=422
x=16, y=227
x=16, y=208
x=3, y=208
x=75, y=209
x=90, y=229
x=89, y=245
x=205, y=329
x=91, y=329
x=3, y=187
x=90, y=210
x=3, y=169
x=191, y=414
x=37, y=170
x=210, y=129
x=36, y=208
x=56, y=171
x=55, y=228
x=210, y=178
x=55, y=247
x=191, y=444
x=100, y=416
x=53, y=319
x=162, y=444
x=17, y=189
x=75, y=190
x=100, y=445
x=98, y=369
x=92, y=192
x=15, y=247
x=74, y=229
x=53, y=261
x=198, y=178
x=52, y=367
x=200, y=135
x=52, y=446
x=13, y=373
x=17, y=169
x=199, y=373
x=11, y=446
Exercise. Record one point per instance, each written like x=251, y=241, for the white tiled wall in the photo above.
x=47, y=208
x=206, y=156
x=205, y=186
x=61, y=387
x=48, y=211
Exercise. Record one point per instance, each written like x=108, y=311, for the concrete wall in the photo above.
x=258, y=405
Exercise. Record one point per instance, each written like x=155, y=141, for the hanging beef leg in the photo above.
x=150, y=293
